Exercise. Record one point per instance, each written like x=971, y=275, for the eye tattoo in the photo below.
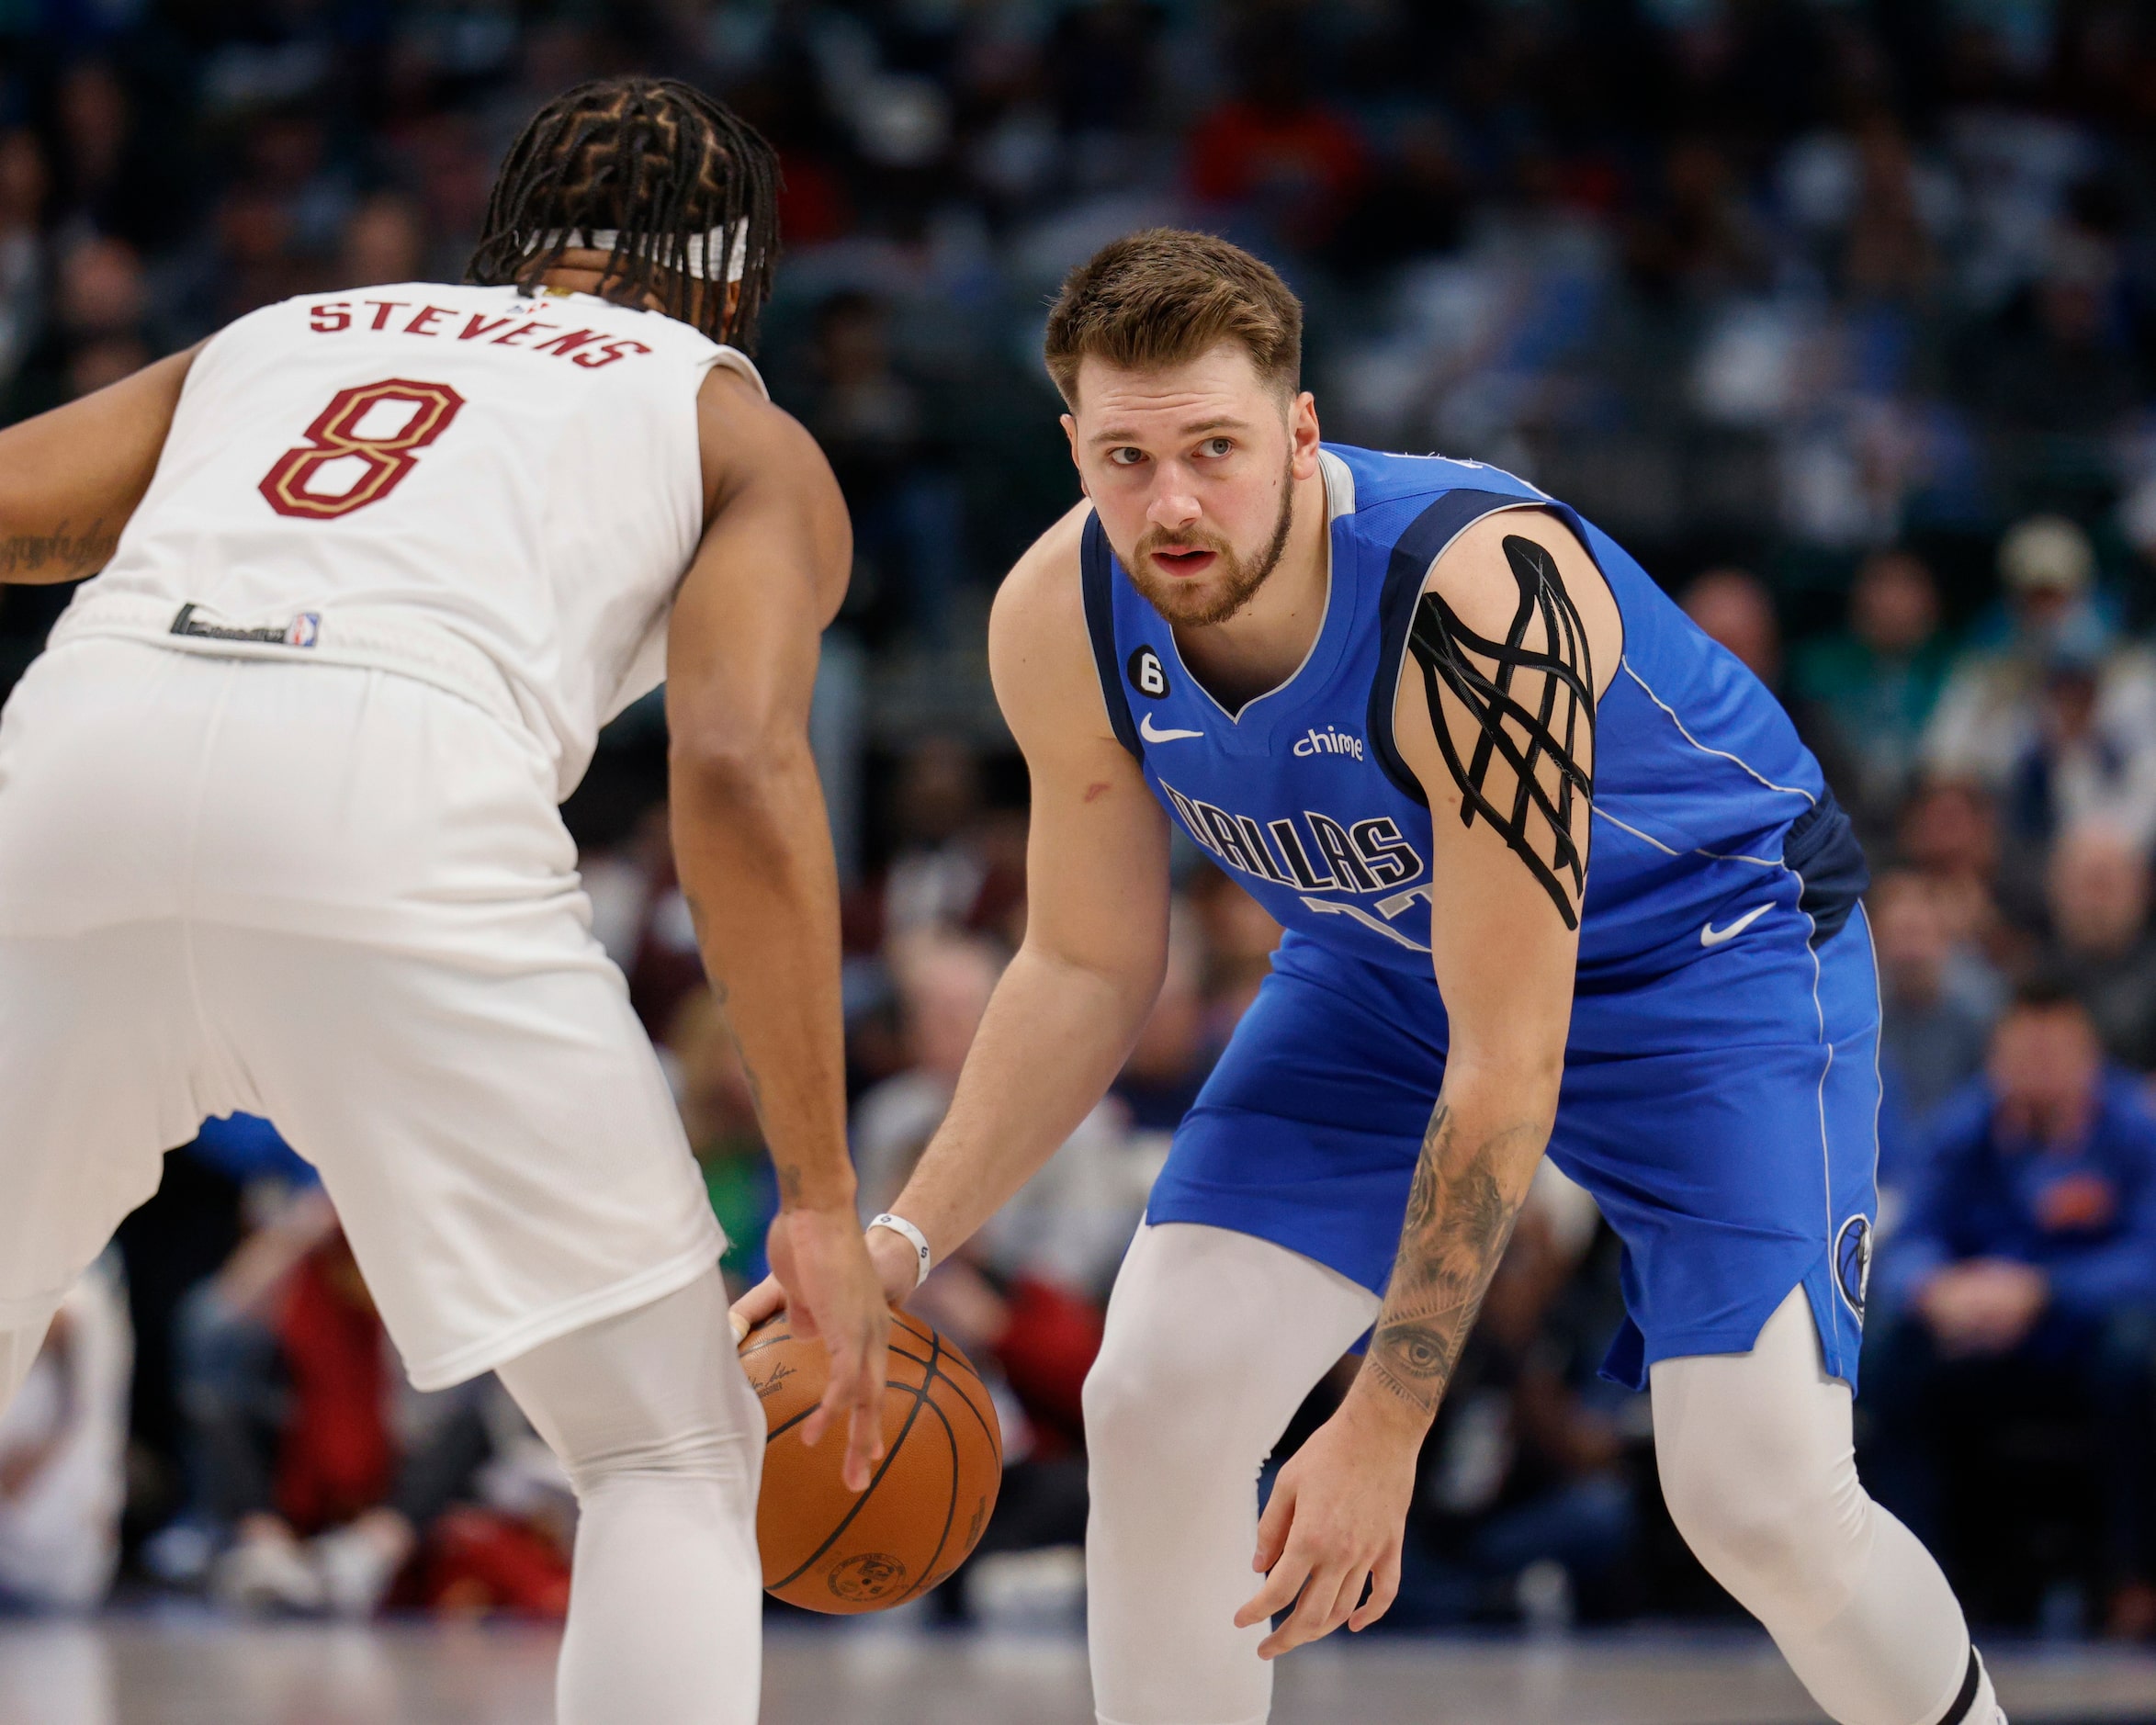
x=1549, y=790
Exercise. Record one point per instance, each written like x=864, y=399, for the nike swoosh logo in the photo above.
x=1711, y=936
x=1152, y=736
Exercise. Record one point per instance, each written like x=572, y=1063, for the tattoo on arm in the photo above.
x=39, y=552
x=1459, y=1220
x=1551, y=791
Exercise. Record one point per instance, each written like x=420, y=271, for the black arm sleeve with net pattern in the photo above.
x=1540, y=742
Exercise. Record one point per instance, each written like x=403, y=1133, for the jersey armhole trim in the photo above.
x=1097, y=582
x=1427, y=538
x=734, y=359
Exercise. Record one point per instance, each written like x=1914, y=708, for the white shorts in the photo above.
x=344, y=899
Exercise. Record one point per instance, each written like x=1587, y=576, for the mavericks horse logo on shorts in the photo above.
x=1853, y=1264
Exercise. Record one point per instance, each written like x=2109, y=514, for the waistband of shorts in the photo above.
x=375, y=639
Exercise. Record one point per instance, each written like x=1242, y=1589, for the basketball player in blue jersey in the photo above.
x=1556, y=875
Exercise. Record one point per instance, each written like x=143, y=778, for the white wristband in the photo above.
x=920, y=1241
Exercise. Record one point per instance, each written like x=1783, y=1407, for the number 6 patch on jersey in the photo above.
x=367, y=438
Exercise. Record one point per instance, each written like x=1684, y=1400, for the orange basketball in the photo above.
x=928, y=1500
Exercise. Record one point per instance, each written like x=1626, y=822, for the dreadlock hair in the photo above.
x=661, y=165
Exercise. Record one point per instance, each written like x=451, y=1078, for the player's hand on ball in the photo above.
x=895, y=1268
x=833, y=1291
x=1335, y=1522
x=759, y=1304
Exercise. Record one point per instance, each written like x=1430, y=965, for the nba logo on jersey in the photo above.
x=304, y=630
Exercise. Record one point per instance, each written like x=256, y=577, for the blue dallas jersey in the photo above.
x=1702, y=789
x=1719, y=1091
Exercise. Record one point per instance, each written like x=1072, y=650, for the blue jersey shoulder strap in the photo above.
x=1097, y=579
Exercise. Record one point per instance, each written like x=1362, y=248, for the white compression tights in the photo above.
x=1760, y=1477
x=663, y=1440
x=1214, y=1338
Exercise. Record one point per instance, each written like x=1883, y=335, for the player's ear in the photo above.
x=1070, y=431
x=1302, y=434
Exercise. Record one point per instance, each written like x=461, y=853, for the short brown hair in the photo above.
x=1164, y=296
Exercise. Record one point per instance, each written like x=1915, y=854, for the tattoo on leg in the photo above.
x=1539, y=743
x=1459, y=1219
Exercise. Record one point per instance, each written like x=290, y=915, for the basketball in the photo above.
x=928, y=1500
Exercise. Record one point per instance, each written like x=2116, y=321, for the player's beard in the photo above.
x=1197, y=604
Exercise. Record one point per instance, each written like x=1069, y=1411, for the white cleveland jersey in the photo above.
x=498, y=493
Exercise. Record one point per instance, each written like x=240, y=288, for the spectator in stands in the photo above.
x=63, y=1455
x=384, y=241
x=2089, y=758
x=1275, y=156
x=24, y=181
x=302, y=1427
x=97, y=331
x=1176, y=1048
x=1949, y=832
x=1734, y=608
x=2058, y=363
x=1414, y=206
x=2023, y=1279
x=1937, y=999
x=1889, y=253
x=909, y=524
x=2058, y=718
x=1872, y=685
x=2102, y=946
x=944, y=983
x=949, y=873
x=113, y=176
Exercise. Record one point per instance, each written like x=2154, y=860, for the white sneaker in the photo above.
x=267, y=1573
x=355, y=1570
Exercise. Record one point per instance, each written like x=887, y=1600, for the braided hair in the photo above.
x=661, y=164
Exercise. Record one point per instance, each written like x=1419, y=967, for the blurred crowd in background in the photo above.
x=1840, y=313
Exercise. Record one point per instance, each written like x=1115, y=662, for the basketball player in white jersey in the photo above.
x=278, y=832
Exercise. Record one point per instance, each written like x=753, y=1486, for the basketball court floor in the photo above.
x=184, y=1667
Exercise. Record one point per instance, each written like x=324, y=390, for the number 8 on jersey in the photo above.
x=340, y=435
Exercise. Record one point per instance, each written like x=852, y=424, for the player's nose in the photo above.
x=1174, y=504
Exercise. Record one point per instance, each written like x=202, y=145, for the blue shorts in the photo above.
x=1724, y=1115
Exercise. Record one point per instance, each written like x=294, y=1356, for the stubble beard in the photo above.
x=1195, y=605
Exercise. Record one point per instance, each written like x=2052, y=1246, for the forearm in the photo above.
x=70, y=478
x=753, y=847
x=1054, y=1037
x=64, y=550
x=1478, y=1157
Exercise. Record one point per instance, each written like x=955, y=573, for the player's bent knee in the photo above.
x=729, y=1457
x=1787, y=1545
x=651, y=1394
x=1151, y=1396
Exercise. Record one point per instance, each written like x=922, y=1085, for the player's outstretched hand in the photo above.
x=1334, y=1523
x=833, y=1291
